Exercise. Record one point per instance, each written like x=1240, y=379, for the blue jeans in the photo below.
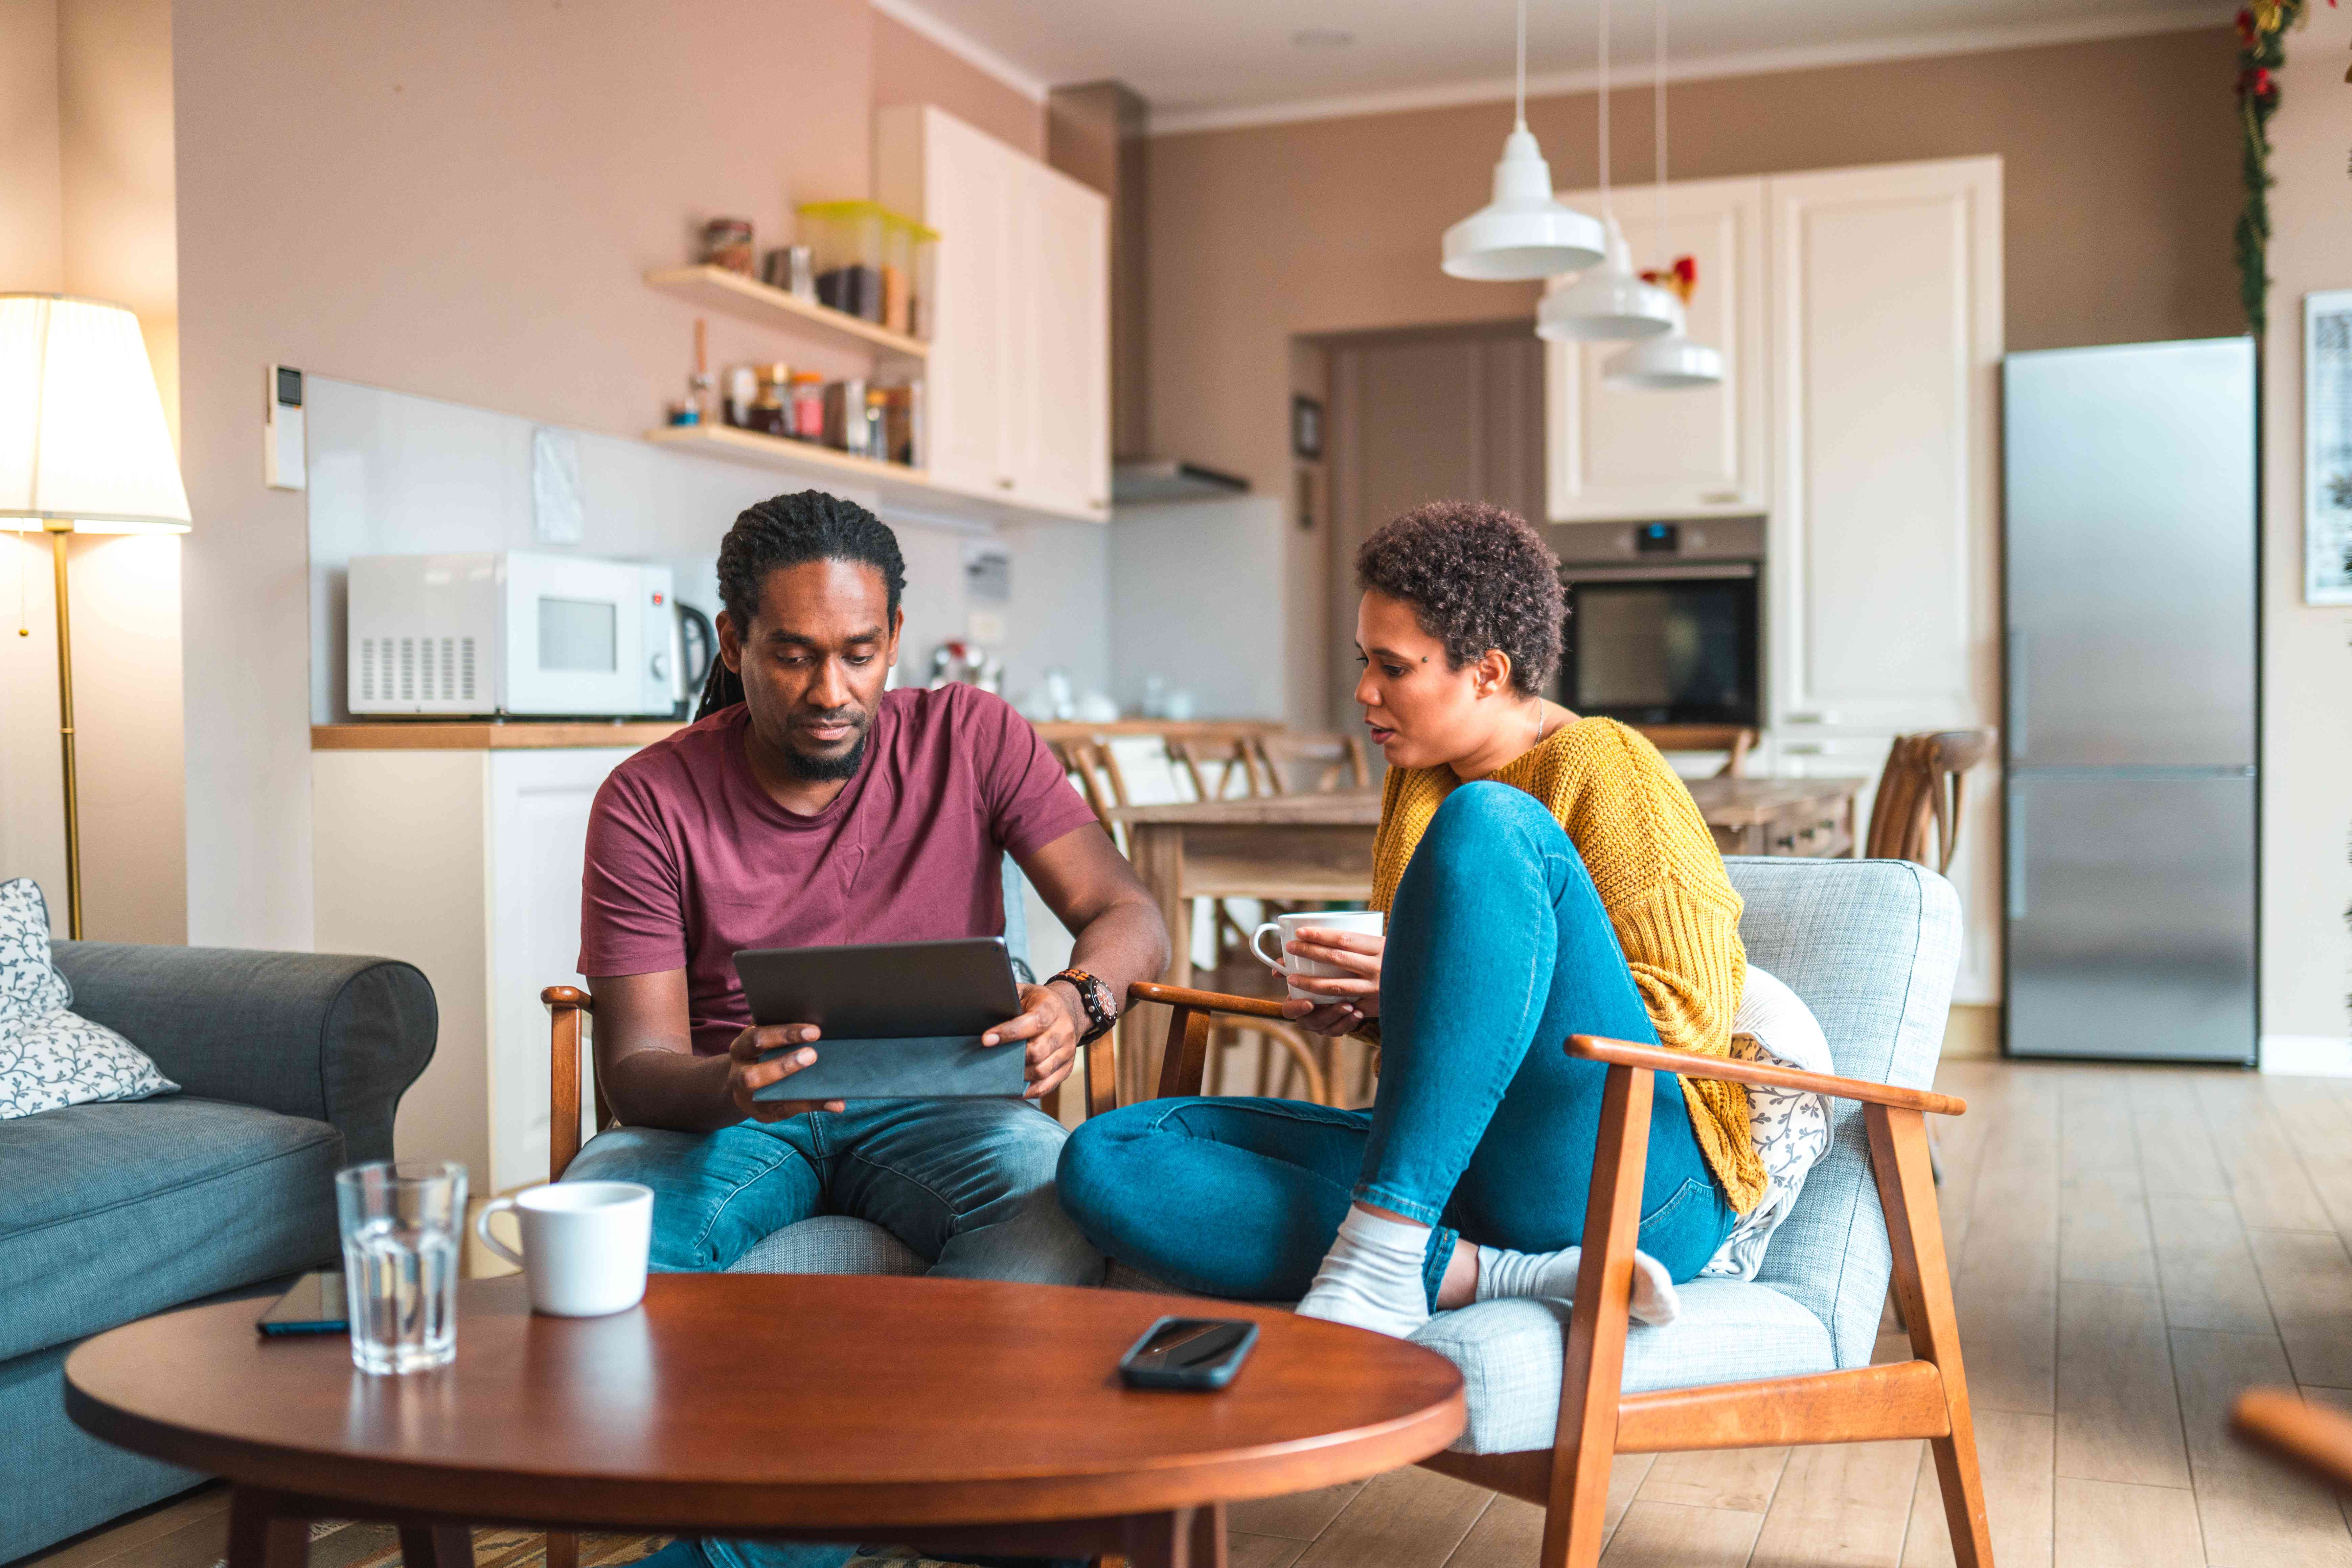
x=1498, y=950
x=968, y=1184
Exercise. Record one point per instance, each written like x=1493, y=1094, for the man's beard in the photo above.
x=825, y=770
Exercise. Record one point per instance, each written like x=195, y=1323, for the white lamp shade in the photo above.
x=1667, y=363
x=1524, y=233
x=82, y=437
x=1608, y=303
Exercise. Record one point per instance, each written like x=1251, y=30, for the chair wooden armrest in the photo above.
x=565, y=1007
x=1184, y=1060
x=1625, y=1053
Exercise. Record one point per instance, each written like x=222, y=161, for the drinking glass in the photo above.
x=402, y=1221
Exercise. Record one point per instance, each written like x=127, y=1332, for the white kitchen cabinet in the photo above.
x=1019, y=380
x=1618, y=453
x=466, y=864
x=1885, y=331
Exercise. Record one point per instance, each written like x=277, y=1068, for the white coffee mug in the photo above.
x=583, y=1245
x=1361, y=923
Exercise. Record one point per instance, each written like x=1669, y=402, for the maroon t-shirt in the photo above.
x=690, y=861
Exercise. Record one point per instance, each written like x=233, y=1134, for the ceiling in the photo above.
x=1207, y=62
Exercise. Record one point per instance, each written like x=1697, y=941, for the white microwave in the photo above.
x=512, y=633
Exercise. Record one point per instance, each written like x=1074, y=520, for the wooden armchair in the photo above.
x=1550, y=1404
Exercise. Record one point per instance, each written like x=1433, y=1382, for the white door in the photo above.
x=1070, y=322
x=537, y=833
x=1616, y=453
x=1886, y=341
x=960, y=182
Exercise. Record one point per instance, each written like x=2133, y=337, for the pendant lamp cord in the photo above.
x=1519, y=97
x=1660, y=237
x=1604, y=110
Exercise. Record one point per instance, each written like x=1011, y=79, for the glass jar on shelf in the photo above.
x=807, y=422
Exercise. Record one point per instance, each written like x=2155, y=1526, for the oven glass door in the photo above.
x=1664, y=650
x=574, y=637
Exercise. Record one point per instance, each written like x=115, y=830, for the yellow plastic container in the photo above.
x=871, y=263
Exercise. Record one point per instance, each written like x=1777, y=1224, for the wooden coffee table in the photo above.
x=938, y=1414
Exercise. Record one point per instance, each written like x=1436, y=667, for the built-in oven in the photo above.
x=1662, y=620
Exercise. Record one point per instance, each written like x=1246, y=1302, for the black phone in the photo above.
x=314, y=1305
x=1189, y=1352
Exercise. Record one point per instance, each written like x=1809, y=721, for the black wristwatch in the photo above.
x=1102, y=1007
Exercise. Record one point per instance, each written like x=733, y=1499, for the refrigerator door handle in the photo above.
x=2014, y=827
x=2015, y=717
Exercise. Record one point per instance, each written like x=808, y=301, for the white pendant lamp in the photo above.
x=1608, y=303
x=1524, y=233
x=1670, y=362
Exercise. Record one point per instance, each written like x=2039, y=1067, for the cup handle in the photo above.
x=482, y=1231
x=1275, y=962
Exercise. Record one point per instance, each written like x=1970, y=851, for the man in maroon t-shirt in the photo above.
x=808, y=807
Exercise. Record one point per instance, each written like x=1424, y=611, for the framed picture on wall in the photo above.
x=2327, y=447
x=1305, y=428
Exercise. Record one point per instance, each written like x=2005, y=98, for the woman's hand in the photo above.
x=1343, y=1001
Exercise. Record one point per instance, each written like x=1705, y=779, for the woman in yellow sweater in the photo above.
x=1544, y=876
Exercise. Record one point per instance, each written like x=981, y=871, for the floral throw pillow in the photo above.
x=1791, y=1127
x=50, y=1056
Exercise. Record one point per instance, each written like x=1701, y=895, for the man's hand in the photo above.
x=1051, y=1022
x=746, y=1072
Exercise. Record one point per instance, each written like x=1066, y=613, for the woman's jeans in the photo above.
x=1498, y=950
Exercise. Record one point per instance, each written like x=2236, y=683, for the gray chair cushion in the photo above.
x=1872, y=946
x=111, y=1212
x=1510, y=1354
x=830, y=1244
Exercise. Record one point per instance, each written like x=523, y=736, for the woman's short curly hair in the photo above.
x=1477, y=577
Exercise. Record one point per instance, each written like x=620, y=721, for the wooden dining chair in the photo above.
x=1736, y=740
x=1784, y=1359
x=1338, y=762
x=1917, y=812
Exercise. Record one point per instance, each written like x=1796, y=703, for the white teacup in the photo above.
x=583, y=1245
x=1361, y=923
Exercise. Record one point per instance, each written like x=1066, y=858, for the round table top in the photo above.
x=763, y=1400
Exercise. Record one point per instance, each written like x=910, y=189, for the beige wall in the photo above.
x=86, y=207
x=459, y=201
x=2120, y=166
x=910, y=69
x=2307, y=652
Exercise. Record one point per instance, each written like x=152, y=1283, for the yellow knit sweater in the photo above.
x=1655, y=865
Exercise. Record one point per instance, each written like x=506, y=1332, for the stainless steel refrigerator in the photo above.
x=2130, y=566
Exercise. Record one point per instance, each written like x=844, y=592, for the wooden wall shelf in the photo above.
x=762, y=304
x=776, y=452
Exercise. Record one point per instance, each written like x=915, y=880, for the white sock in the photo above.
x=1371, y=1277
x=1502, y=1272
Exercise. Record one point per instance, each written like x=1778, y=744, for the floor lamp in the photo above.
x=83, y=450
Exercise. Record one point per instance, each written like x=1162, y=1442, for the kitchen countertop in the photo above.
x=489, y=735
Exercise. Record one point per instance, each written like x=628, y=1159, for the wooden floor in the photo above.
x=2132, y=1246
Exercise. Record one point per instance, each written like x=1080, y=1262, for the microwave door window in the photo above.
x=579, y=635
x=1664, y=653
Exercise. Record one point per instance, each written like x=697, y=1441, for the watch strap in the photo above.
x=1095, y=996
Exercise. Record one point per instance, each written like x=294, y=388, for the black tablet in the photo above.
x=901, y=1020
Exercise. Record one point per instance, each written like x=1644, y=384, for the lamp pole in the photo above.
x=58, y=532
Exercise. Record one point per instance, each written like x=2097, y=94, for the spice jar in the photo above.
x=727, y=242
x=877, y=444
x=807, y=406
x=766, y=414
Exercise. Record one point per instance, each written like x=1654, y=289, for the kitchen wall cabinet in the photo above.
x=1019, y=383
x=1881, y=545
x=1615, y=453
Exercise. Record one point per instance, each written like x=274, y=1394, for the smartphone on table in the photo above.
x=313, y=1305
x=1189, y=1352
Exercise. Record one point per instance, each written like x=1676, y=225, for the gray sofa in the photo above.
x=290, y=1065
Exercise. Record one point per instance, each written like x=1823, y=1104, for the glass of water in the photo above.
x=401, y=1223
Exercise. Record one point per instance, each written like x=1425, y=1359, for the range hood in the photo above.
x=1146, y=482
x=1095, y=134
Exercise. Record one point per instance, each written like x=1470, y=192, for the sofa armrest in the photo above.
x=331, y=1037
x=1684, y=1064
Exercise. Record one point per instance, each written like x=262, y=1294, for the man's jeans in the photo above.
x=968, y=1184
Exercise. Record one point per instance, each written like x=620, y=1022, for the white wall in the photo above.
x=1198, y=595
